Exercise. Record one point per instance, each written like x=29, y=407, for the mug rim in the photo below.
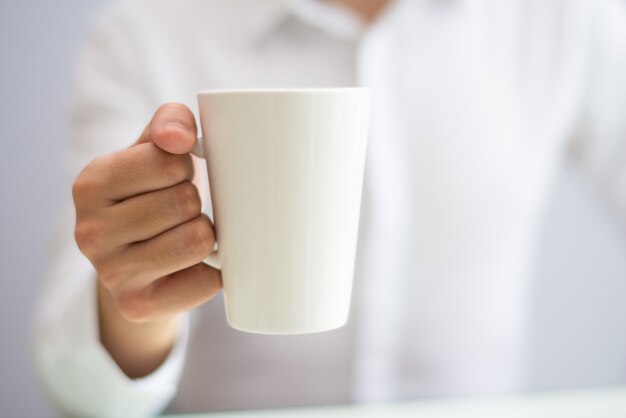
x=212, y=92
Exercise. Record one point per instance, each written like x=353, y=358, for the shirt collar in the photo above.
x=269, y=15
x=260, y=20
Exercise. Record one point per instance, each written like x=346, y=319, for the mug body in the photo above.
x=286, y=172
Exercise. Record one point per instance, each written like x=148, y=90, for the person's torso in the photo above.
x=473, y=103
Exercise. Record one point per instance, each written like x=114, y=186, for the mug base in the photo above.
x=288, y=331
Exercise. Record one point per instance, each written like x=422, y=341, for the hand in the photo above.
x=139, y=222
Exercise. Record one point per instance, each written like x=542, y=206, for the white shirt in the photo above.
x=476, y=103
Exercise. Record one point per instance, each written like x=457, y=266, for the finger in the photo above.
x=145, y=216
x=172, y=294
x=141, y=169
x=142, y=263
x=173, y=129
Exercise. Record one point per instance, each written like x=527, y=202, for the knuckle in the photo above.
x=188, y=200
x=90, y=178
x=90, y=235
x=110, y=275
x=78, y=188
x=202, y=237
x=84, y=184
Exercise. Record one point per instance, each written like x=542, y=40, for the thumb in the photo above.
x=172, y=128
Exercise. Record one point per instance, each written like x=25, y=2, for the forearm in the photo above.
x=137, y=348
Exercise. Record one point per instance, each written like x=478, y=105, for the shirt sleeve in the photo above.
x=78, y=372
x=600, y=145
x=110, y=105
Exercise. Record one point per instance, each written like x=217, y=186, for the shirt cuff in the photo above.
x=83, y=377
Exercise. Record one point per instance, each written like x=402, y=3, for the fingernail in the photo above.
x=178, y=126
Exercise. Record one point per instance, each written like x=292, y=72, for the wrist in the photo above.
x=138, y=348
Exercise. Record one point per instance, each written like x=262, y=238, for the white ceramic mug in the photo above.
x=285, y=172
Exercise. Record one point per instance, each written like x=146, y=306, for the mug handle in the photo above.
x=214, y=259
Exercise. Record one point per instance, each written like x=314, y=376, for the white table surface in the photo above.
x=590, y=403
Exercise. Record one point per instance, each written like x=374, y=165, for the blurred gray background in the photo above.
x=579, y=317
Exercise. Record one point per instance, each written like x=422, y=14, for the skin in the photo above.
x=367, y=10
x=139, y=222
